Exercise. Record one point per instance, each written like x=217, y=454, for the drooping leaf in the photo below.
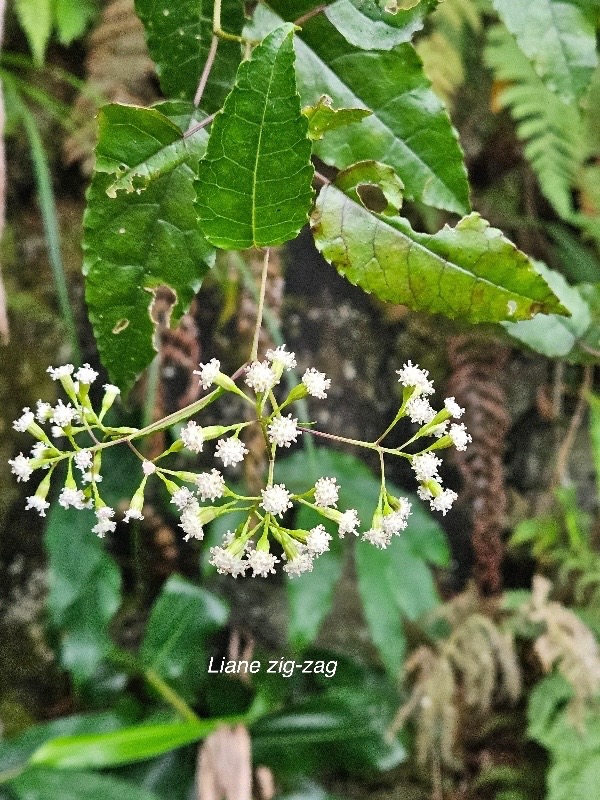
x=409, y=128
x=174, y=646
x=35, y=17
x=559, y=39
x=179, y=34
x=550, y=334
x=552, y=131
x=96, y=751
x=254, y=184
x=323, y=117
x=72, y=18
x=134, y=242
x=84, y=591
x=368, y=25
x=471, y=271
x=50, y=784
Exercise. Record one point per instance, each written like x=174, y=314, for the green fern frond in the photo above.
x=551, y=130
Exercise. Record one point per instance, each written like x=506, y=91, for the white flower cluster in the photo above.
x=247, y=549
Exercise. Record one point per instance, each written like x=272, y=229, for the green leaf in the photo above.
x=50, y=784
x=552, y=132
x=72, y=18
x=15, y=752
x=96, y=751
x=254, y=184
x=182, y=618
x=84, y=591
x=322, y=117
x=355, y=181
x=35, y=17
x=559, y=39
x=594, y=401
x=179, y=34
x=366, y=23
x=471, y=271
x=409, y=128
x=550, y=334
x=134, y=242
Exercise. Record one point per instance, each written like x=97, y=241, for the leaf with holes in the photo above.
x=135, y=242
x=471, y=271
x=368, y=25
x=323, y=117
x=409, y=128
x=179, y=34
x=558, y=38
x=254, y=184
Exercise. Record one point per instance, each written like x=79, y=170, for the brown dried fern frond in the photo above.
x=567, y=644
x=476, y=366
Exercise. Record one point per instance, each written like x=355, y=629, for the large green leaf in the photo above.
x=72, y=18
x=366, y=23
x=409, y=128
x=471, y=271
x=35, y=17
x=95, y=751
x=550, y=334
x=182, y=618
x=84, y=591
x=135, y=242
x=254, y=184
x=50, y=784
x=179, y=34
x=559, y=39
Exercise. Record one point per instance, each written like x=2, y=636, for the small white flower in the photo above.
x=63, y=415
x=227, y=563
x=73, y=498
x=230, y=451
x=260, y=377
x=318, y=540
x=414, y=377
x=193, y=437
x=56, y=432
x=38, y=504
x=348, y=523
x=420, y=411
x=19, y=466
x=426, y=466
x=262, y=563
x=148, y=468
x=424, y=493
x=83, y=460
x=105, y=522
x=211, y=485
x=43, y=411
x=132, y=513
x=24, y=421
x=110, y=388
x=439, y=430
x=276, y=499
x=38, y=450
x=452, y=406
x=56, y=373
x=326, y=492
x=190, y=521
x=377, y=536
x=281, y=356
x=302, y=563
x=460, y=437
x=283, y=430
x=86, y=375
x=396, y=521
x=316, y=383
x=444, y=502
x=182, y=498
x=208, y=373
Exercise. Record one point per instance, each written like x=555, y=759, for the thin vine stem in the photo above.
x=210, y=60
x=261, y=305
